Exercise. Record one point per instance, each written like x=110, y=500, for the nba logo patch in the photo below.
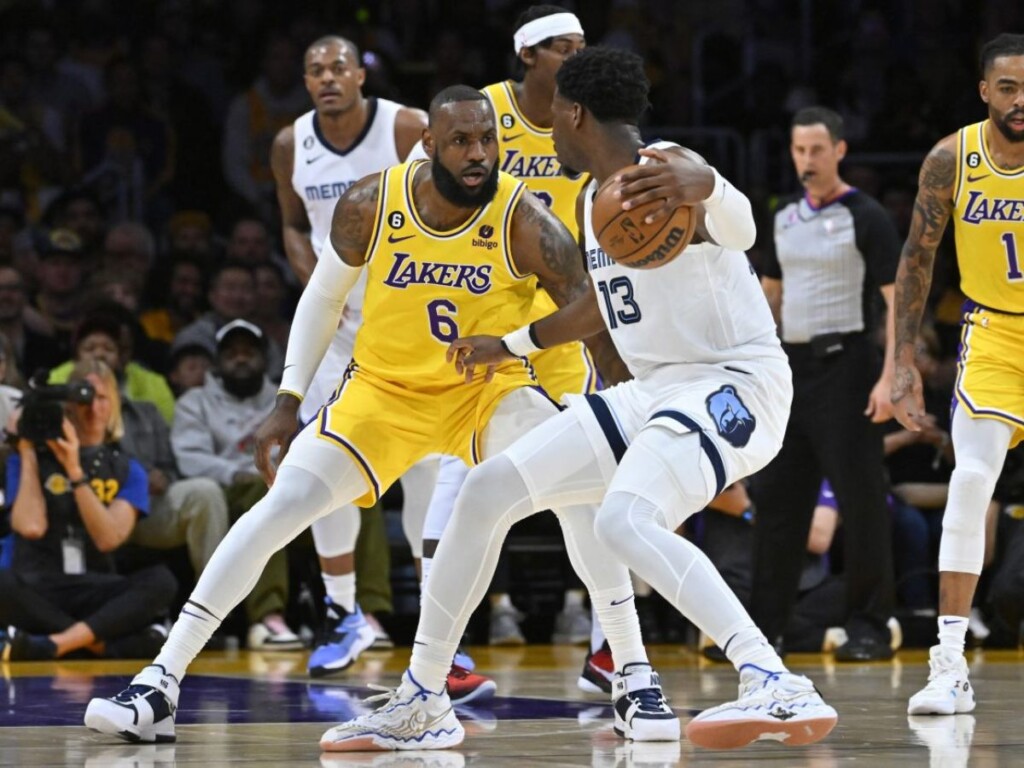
x=734, y=422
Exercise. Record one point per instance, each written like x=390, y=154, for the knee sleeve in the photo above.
x=963, y=525
x=335, y=533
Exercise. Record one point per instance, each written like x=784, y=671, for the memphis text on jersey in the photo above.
x=328, y=191
x=980, y=208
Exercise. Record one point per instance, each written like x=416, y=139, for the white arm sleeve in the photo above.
x=728, y=216
x=417, y=153
x=316, y=318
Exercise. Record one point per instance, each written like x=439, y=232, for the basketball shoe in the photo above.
x=948, y=691
x=465, y=686
x=411, y=718
x=641, y=711
x=144, y=711
x=349, y=635
x=598, y=671
x=774, y=706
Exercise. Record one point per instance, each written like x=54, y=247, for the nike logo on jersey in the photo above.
x=973, y=179
x=311, y=160
x=393, y=239
x=512, y=137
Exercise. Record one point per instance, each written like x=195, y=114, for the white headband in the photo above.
x=541, y=29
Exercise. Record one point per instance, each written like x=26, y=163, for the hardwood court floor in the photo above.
x=261, y=710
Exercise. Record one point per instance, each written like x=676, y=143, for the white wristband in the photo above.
x=520, y=342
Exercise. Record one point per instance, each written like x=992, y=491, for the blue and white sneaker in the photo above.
x=349, y=636
x=948, y=692
x=412, y=718
x=144, y=711
x=641, y=711
x=772, y=706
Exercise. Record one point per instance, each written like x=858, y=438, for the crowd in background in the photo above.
x=138, y=216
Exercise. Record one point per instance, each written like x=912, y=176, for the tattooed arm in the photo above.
x=542, y=245
x=932, y=210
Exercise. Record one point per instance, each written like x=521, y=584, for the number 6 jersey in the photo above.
x=425, y=288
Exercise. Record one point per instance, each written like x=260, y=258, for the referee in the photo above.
x=831, y=247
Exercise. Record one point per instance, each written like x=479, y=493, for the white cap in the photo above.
x=239, y=325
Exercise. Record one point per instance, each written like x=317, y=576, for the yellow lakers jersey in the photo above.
x=988, y=207
x=527, y=152
x=425, y=288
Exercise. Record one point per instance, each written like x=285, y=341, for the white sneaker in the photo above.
x=641, y=711
x=948, y=692
x=264, y=637
x=572, y=626
x=505, y=627
x=144, y=711
x=772, y=706
x=412, y=718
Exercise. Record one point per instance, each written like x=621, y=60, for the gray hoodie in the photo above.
x=213, y=432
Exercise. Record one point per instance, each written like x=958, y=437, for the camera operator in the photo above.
x=75, y=497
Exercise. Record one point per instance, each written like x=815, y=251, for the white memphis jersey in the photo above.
x=321, y=173
x=705, y=306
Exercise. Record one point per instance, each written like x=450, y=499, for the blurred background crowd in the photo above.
x=137, y=202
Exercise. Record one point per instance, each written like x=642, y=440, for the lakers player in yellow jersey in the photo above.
x=975, y=176
x=449, y=247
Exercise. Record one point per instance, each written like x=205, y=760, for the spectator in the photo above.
x=272, y=303
x=191, y=232
x=251, y=243
x=829, y=248
x=76, y=499
x=31, y=350
x=213, y=436
x=188, y=368
x=107, y=334
x=181, y=304
x=232, y=296
x=273, y=101
x=10, y=381
x=81, y=212
x=59, y=277
x=130, y=246
x=126, y=136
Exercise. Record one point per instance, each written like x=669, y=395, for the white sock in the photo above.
x=616, y=613
x=953, y=633
x=341, y=590
x=431, y=661
x=749, y=646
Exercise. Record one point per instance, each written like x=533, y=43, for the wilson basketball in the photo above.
x=628, y=239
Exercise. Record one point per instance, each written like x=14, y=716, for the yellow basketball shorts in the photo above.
x=990, y=367
x=565, y=370
x=386, y=427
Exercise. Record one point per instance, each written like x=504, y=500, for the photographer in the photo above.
x=75, y=497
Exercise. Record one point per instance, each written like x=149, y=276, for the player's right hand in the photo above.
x=471, y=351
x=278, y=430
x=907, y=397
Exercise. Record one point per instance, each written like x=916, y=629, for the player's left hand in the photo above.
x=908, y=397
x=471, y=351
x=879, y=408
x=673, y=178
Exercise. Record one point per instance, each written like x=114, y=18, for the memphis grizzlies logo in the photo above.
x=732, y=419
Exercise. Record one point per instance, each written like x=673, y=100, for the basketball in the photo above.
x=628, y=239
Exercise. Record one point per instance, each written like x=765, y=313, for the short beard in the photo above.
x=452, y=191
x=243, y=387
x=1002, y=124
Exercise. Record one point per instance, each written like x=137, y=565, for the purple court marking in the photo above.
x=37, y=701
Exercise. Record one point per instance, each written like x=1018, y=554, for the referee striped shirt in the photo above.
x=828, y=259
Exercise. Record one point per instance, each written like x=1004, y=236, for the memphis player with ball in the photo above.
x=708, y=405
